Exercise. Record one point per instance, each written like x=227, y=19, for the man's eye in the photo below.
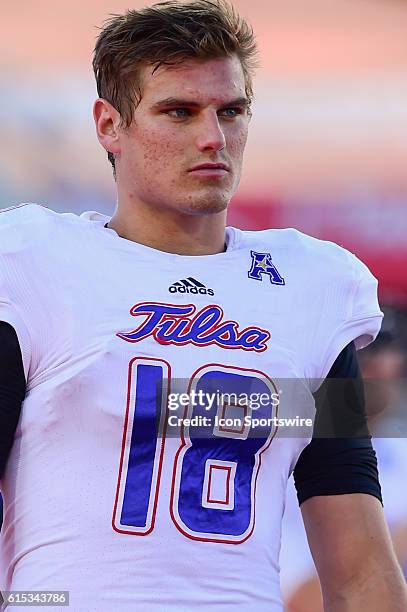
x=178, y=113
x=231, y=113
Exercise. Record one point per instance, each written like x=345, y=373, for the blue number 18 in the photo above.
x=216, y=467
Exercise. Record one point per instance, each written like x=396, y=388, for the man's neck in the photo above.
x=171, y=232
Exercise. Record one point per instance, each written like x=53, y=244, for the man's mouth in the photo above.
x=211, y=169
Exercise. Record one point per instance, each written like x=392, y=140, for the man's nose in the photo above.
x=211, y=136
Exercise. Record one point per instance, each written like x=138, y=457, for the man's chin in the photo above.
x=208, y=202
x=209, y=206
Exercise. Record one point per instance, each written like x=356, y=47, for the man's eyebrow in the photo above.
x=192, y=104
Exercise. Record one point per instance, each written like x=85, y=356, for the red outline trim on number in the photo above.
x=221, y=428
x=227, y=469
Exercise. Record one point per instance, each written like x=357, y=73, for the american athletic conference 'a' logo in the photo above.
x=180, y=325
x=263, y=264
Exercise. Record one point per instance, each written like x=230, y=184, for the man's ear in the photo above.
x=107, y=122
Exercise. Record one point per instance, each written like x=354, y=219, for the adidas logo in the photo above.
x=190, y=285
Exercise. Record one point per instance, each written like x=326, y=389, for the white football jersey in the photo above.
x=114, y=334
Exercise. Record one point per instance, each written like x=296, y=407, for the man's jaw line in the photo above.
x=193, y=231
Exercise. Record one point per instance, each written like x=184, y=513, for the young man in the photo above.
x=116, y=318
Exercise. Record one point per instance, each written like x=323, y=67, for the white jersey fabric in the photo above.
x=108, y=327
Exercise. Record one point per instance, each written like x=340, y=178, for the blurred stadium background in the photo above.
x=327, y=152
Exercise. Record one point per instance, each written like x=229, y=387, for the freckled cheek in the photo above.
x=161, y=151
x=236, y=145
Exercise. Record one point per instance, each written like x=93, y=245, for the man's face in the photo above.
x=192, y=114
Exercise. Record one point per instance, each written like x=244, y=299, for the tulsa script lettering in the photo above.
x=170, y=324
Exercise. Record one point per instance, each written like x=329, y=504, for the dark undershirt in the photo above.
x=12, y=389
x=339, y=459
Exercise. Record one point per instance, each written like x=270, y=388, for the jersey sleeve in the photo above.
x=366, y=317
x=11, y=288
x=10, y=314
x=353, y=316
